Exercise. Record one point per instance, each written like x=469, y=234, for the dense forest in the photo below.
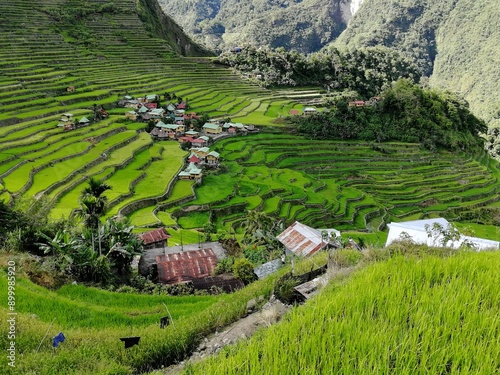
x=365, y=71
x=404, y=112
x=454, y=42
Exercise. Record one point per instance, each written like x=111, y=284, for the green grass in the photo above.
x=83, y=307
x=404, y=316
x=197, y=220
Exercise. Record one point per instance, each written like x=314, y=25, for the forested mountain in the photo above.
x=455, y=42
x=305, y=26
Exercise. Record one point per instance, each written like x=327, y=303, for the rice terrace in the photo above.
x=74, y=76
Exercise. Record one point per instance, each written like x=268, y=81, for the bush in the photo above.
x=224, y=266
x=284, y=289
x=243, y=270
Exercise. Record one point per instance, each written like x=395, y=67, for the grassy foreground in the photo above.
x=93, y=322
x=403, y=316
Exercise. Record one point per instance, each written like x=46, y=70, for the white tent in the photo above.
x=427, y=232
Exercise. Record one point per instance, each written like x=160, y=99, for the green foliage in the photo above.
x=243, y=270
x=405, y=112
x=454, y=42
x=365, y=71
x=284, y=288
x=224, y=265
x=304, y=26
x=78, y=257
x=346, y=257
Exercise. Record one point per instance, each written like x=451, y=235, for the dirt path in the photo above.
x=244, y=328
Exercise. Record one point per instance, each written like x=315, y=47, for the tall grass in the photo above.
x=403, y=316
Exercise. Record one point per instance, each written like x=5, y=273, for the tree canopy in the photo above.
x=404, y=112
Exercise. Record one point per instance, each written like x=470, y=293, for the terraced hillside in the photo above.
x=103, y=50
x=347, y=185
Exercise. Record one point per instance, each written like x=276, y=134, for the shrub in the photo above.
x=243, y=270
x=224, y=266
x=284, y=288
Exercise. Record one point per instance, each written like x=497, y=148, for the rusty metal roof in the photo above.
x=301, y=239
x=155, y=235
x=185, y=266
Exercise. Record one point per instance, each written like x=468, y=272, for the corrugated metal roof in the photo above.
x=301, y=239
x=185, y=266
x=155, y=235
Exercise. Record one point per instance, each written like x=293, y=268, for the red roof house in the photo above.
x=303, y=240
x=194, y=159
x=155, y=238
x=294, y=112
x=185, y=266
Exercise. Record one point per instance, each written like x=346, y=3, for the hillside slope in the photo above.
x=305, y=26
x=453, y=41
x=403, y=316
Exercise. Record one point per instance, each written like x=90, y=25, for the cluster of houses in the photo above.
x=170, y=123
x=365, y=103
x=148, y=108
x=308, y=111
x=200, y=157
x=68, y=122
x=195, y=264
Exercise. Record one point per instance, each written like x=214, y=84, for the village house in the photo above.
x=156, y=238
x=357, y=103
x=199, y=142
x=294, y=112
x=179, y=113
x=150, y=105
x=201, y=152
x=70, y=89
x=146, y=116
x=185, y=139
x=157, y=113
x=308, y=111
x=132, y=103
x=170, y=108
x=83, y=121
x=151, y=98
x=192, y=172
x=192, y=264
x=176, y=128
x=302, y=240
x=66, y=117
x=173, y=131
x=192, y=133
x=194, y=159
x=212, y=128
x=131, y=115
x=212, y=158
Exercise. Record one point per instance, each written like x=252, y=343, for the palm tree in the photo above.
x=93, y=205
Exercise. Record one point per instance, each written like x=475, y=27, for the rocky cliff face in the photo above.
x=305, y=26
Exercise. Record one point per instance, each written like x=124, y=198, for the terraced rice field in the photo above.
x=38, y=63
x=346, y=185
